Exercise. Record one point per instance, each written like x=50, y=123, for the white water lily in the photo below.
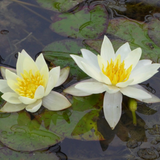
x=115, y=74
x=30, y=85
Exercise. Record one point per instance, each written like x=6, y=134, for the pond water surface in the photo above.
x=59, y=28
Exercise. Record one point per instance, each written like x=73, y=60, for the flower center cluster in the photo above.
x=116, y=71
x=29, y=82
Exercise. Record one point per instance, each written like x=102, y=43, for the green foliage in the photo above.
x=85, y=24
x=59, y=5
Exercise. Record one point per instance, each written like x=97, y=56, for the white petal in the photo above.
x=8, y=107
x=55, y=101
x=34, y=107
x=153, y=99
x=53, y=79
x=76, y=92
x=79, y=61
x=112, y=89
x=42, y=66
x=107, y=51
x=3, y=71
x=112, y=106
x=91, y=87
x=133, y=58
x=102, y=63
x=25, y=62
x=55, y=72
x=11, y=97
x=90, y=57
x=39, y=92
x=124, y=50
x=124, y=84
x=4, y=86
x=25, y=53
x=142, y=63
x=26, y=100
x=99, y=76
x=11, y=80
x=63, y=76
x=144, y=73
x=134, y=92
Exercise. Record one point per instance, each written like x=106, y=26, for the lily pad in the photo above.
x=59, y=54
x=73, y=126
x=154, y=30
x=123, y=30
x=136, y=33
x=59, y=5
x=9, y=154
x=20, y=133
x=85, y=24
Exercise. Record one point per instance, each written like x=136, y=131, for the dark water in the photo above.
x=25, y=25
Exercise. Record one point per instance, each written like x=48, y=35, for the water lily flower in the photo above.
x=31, y=84
x=115, y=74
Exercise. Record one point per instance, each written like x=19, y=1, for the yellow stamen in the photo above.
x=116, y=71
x=29, y=82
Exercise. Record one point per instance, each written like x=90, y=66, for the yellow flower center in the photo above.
x=29, y=82
x=116, y=72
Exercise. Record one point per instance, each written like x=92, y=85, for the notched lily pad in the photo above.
x=85, y=24
x=136, y=33
x=123, y=30
x=20, y=133
x=154, y=30
x=59, y=5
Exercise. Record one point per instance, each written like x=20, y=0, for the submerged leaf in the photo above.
x=70, y=125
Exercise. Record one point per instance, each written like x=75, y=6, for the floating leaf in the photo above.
x=85, y=24
x=9, y=154
x=96, y=44
x=136, y=33
x=59, y=54
x=70, y=125
x=20, y=133
x=59, y=5
x=123, y=30
x=154, y=30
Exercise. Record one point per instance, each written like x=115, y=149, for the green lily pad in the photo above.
x=154, y=30
x=123, y=30
x=20, y=133
x=96, y=44
x=85, y=24
x=9, y=154
x=59, y=5
x=136, y=33
x=59, y=54
x=71, y=126
x=88, y=123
